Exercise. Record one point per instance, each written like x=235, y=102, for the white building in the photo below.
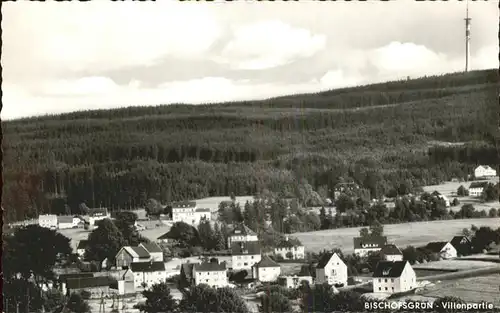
x=48, y=221
x=391, y=253
x=393, y=277
x=294, y=281
x=266, y=270
x=211, y=273
x=187, y=212
x=444, y=249
x=290, y=249
x=244, y=255
x=80, y=249
x=476, y=189
x=128, y=255
x=364, y=245
x=95, y=215
x=148, y=273
x=332, y=270
x=67, y=221
x=241, y=233
x=484, y=171
x=154, y=251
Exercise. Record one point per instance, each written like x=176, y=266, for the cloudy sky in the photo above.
x=61, y=57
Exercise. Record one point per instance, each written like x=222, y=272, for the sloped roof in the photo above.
x=457, y=241
x=82, y=244
x=151, y=247
x=141, y=252
x=371, y=241
x=478, y=185
x=436, y=246
x=266, y=262
x=165, y=236
x=147, y=266
x=486, y=167
x=211, y=266
x=245, y=248
x=183, y=204
x=89, y=282
x=324, y=260
x=242, y=230
x=65, y=277
x=202, y=210
x=389, y=269
x=65, y=219
x=391, y=250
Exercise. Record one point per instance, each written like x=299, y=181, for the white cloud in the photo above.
x=268, y=44
x=337, y=79
x=486, y=58
x=80, y=87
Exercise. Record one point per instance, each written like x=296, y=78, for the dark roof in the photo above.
x=371, y=241
x=147, y=266
x=244, y=248
x=478, y=185
x=242, y=230
x=291, y=242
x=183, y=204
x=267, y=262
x=65, y=277
x=457, y=241
x=391, y=250
x=141, y=252
x=82, y=244
x=89, y=282
x=98, y=211
x=324, y=260
x=210, y=266
x=202, y=210
x=65, y=219
x=151, y=247
x=436, y=246
x=389, y=269
x=165, y=236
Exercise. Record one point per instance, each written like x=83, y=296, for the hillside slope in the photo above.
x=377, y=135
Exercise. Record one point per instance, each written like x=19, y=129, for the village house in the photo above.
x=67, y=221
x=290, y=249
x=484, y=172
x=48, y=221
x=266, y=270
x=80, y=249
x=393, y=277
x=128, y=255
x=294, y=281
x=445, y=199
x=97, y=214
x=211, y=273
x=332, y=270
x=244, y=255
x=154, y=251
x=189, y=213
x=241, y=233
x=476, y=189
x=97, y=286
x=391, y=253
x=443, y=249
x=462, y=244
x=148, y=273
x=364, y=245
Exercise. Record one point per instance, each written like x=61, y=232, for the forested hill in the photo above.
x=377, y=135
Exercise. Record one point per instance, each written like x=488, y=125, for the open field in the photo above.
x=290, y=268
x=454, y=265
x=473, y=289
x=213, y=202
x=416, y=234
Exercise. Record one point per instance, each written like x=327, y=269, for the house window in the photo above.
x=392, y=289
x=392, y=280
x=386, y=288
x=385, y=280
x=379, y=288
x=379, y=280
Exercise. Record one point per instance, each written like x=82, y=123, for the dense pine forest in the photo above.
x=378, y=135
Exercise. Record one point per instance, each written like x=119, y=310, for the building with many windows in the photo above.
x=244, y=255
x=290, y=249
x=393, y=277
x=241, y=233
x=212, y=273
x=189, y=213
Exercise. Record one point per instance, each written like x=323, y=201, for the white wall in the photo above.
x=241, y=262
x=298, y=252
x=150, y=278
x=295, y=281
x=216, y=279
x=364, y=252
x=268, y=274
x=247, y=238
x=475, y=192
x=394, y=257
x=406, y=282
x=448, y=251
x=335, y=272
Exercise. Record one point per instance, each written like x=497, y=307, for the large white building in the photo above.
x=241, y=233
x=212, y=273
x=332, y=270
x=189, y=213
x=444, y=249
x=290, y=249
x=294, y=281
x=48, y=221
x=266, y=270
x=393, y=277
x=95, y=215
x=67, y=221
x=476, y=189
x=364, y=245
x=244, y=255
x=148, y=273
x=391, y=253
x=484, y=171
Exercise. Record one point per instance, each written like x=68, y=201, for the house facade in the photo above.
x=244, y=255
x=241, y=233
x=189, y=213
x=67, y=221
x=154, y=250
x=391, y=253
x=97, y=214
x=442, y=248
x=294, y=281
x=266, y=270
x=290, y=250
x=364, y=245
x=462, y=244
x=211, y=273
x=332, y=270
x=393, y=277
x=484, y=171
x=97, y=286
x=128, y=255
x=148, y=273
x=476, y=189
x=48, y=221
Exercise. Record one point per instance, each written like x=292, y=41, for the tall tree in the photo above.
x=158, y=299
x=206, y=234
x=104, y=242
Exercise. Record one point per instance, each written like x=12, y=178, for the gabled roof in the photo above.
x=266, y=262
x=137, y=252
x=325, y=259
x=436, y=246
x=151, y=247
x=82, y=244
x=391, y=250
x=478, y=185
x=457, y=241
x=65, y=219
x=211, y=266
x=164, y=236
x=98, y=211
x=202, y=210
x=242, y=230
x=147, y=266
x=245, y=248
x=89, y=282
x=389, y=269
x=486, y=167
x=370, y=242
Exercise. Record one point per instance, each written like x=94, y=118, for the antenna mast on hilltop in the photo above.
x=467, y=36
